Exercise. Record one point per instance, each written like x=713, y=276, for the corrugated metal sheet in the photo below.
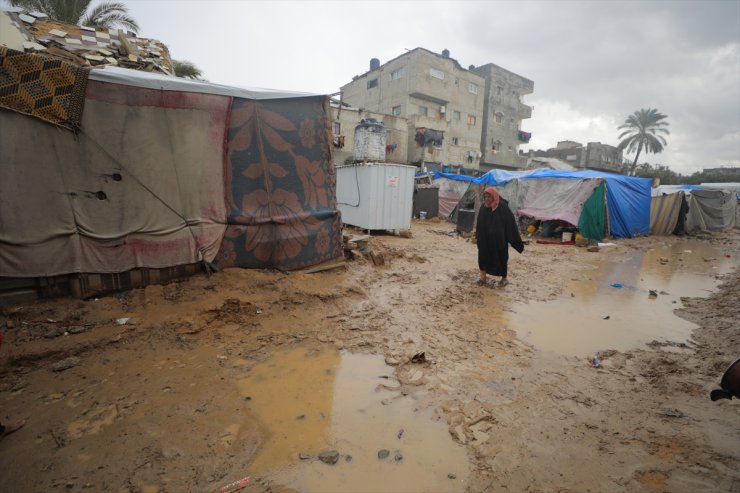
x=376, y=196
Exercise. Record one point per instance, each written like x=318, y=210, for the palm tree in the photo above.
x=642, y=130
x=105, y=15
x=186, y=69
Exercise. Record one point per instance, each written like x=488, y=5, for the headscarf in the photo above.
x=496, y=198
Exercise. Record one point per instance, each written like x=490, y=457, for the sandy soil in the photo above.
x=146, y=405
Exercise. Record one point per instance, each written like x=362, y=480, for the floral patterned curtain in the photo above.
x=280, y=185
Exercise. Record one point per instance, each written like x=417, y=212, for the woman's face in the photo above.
x=487, y=199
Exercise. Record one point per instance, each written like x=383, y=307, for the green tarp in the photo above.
x=591, y=221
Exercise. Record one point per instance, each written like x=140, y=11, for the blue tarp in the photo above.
x=628, y=198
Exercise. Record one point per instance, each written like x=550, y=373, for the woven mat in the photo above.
x=42, y=86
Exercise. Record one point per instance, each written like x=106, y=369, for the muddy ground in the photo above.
x=152, y=405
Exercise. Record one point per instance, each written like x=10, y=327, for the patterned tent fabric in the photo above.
x=280, y=186
x=42, y=86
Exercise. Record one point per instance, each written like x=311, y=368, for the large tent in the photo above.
x=157, y=172
x=587, y=199
x=710, y=208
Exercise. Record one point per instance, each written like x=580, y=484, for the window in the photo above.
x=438, y=74
x=456, y=116
x=471, y=119
x=396, y=110
x=397, y=74
x=336, y=128
x=454, y=140
x=498, y=117
x=499, y=90
x=423, y=111
x=372, y=83
x=496, y=146
x=472, y=88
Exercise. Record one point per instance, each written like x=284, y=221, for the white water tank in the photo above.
x=370, y=141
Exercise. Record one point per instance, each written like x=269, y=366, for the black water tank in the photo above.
x=465, y=220
x=426, y=198
x=446, y=53
x=374, y=63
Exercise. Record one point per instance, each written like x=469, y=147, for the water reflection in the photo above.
x=313, y=402
x=593, y=315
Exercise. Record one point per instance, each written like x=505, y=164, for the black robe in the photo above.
x=494, y=232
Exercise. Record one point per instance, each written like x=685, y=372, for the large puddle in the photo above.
x=593, y=315
x=313, y=402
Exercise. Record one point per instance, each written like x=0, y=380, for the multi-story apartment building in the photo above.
x=503, y=112
x=441, y=101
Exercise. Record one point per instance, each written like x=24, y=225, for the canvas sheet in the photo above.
x=142, y=184
x=551, y=199
x=450, y=193
x=280, y=185
x=664, y=212
x=711, y=210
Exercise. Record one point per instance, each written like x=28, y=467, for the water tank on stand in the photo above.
x=370, y=141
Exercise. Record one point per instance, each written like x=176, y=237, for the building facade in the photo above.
x=595, y=155
x=441, y=102
x=503, y=112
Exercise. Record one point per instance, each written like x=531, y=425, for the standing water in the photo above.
x=314, y=402
x=612, y=306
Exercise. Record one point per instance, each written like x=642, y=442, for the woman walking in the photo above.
x=495, y=230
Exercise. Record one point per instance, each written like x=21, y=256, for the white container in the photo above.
x=376, y=195
x=567, y=237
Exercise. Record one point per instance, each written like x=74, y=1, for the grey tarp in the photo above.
x=664, y=212
x=711, y=210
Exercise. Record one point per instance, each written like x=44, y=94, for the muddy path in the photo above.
x=151, y=398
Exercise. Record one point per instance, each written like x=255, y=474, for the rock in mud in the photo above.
x=383, y=453
x=451, y=476
x=392, y=361
x=329, y=457
x=66, y=363
x=398, y=457
x=54, y=333
x=304, y=456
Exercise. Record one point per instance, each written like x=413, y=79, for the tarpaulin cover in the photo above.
x=711, y=210
x=628, y=198
x=450, y=193
x=141, y=185
x=664, y=212
x=555, y=199
x=280, y=185
x=591, y=224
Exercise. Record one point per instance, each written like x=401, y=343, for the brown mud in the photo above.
x=160, y=389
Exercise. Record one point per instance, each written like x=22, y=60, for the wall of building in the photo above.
x=603, y=157
x=503, y=115
x=430, y=91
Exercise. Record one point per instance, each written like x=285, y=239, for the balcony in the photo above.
x=524, y=111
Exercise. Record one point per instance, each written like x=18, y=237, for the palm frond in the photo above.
x=186, y=69
x=110, y=14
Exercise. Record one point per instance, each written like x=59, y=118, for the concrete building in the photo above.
x=441, y=102
x=345, y=119
x=595, y=155
x=503, y=112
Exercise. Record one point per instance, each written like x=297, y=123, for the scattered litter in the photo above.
x=259, y=312
x=663, y=260
x=330, y=457
x=304, y=456
x=687, y=251
x=419, y=358
x=602, y=245
x=709, y=259
x=653, y=293
x=451, y=476
x=672, y=413
x=664, y=293
x=122, y=321
x=400, y=433
x=235, y=486
x=616, y=285
x=606, y=317
x=728, y=255
x=595, y=361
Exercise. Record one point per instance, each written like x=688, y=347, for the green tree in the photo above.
x=186, y=69
x=642, y=130
x=104, y=15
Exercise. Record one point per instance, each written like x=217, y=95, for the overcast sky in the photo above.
x=592, y=62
